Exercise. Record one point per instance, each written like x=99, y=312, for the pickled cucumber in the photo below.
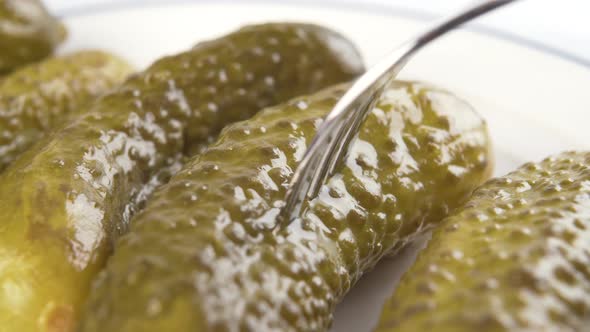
x=28, y=33
x=516, y=257
x=39, y=97
x=206, y=253
x=66, y=198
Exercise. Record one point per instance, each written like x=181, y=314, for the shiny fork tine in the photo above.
x=350, y=128
x=325, y=151
x=307, y=181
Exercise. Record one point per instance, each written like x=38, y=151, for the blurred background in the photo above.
x=561, y=27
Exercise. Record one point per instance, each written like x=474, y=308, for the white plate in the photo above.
x=535, y=102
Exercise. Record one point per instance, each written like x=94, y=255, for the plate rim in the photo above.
x=393, y=10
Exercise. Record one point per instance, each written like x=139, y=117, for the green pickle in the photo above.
x=207, y=252
x=28, y=33
x=64, y=200
x=516, y=257
x=40, y=97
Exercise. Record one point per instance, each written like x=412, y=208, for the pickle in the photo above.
x=207, y=252
x=65, y=199
x=516, y=257
x=28, y=33
x=39, y=97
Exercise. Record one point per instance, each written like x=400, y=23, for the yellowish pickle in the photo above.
x=37, y=98
x=28, y=33
x=64, y=200
x=207, y=253
x=515, y=257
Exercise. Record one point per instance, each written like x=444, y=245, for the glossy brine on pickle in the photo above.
x=64, y=200
x=516, y=257
x=207, y=254
x=37, y=98
x=28, y=33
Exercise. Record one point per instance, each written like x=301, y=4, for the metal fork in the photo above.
x=330, y=145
